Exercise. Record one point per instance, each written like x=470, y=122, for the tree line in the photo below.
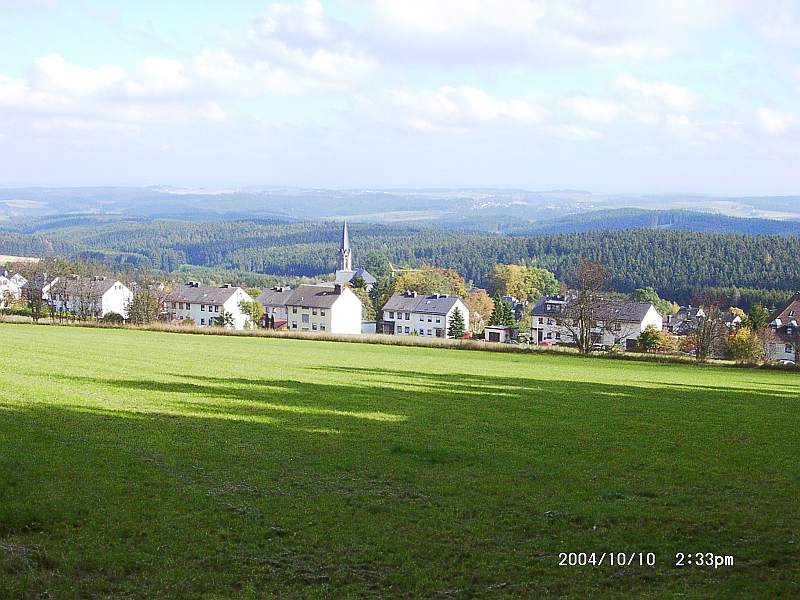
x=678, y=265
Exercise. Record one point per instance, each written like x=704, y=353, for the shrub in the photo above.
x=744, y=346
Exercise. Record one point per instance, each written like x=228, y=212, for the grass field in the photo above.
x=157, y=465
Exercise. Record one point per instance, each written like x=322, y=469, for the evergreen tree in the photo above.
x=456, y=329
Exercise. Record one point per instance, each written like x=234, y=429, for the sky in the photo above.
x=611, y=96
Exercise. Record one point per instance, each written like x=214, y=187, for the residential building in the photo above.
x=204, y=304
x=324, y=308
x=11, y=284
x=345, y=274
x=684, y=321
x=785, y=344
x=274, y=302
x=88, y=297
x=410, y=313
x=617, y=321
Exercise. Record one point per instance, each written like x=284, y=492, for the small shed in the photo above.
x=498, y=333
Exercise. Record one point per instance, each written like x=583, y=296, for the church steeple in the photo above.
x=345, y=253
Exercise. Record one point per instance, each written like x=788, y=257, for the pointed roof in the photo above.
x=345, y=245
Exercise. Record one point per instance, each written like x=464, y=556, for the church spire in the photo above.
x=345, y=253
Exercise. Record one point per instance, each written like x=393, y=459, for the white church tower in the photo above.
x=345, y=253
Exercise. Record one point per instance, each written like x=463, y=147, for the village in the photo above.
x=589, y=319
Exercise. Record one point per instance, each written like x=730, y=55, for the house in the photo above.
x=88, y=297
x=345, y=274
x=205, y=303
x=684, y=321
x=410, y=313
x=324, y=308
x=785, y=344
x=274, y=302
x=617, y=321
x=11, y=284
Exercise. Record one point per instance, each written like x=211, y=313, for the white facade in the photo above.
x=89, y=296
x=203, y=304
x=10, y=288
x=549, y=328
x=417, y=321
x=780, y=350
x=323, y=309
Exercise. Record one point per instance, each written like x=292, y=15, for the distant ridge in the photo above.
x=678, y=220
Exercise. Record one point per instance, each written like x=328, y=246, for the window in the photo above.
x=549, y=335
x=391, y=314
x=549, y=321
x=304, y=318
x=791, y=313
x=202, y=321
x=430, y=320
x=294, y=310
x=789, y=349
x=314, y=326
x=294, y=324
x=430, y=331
x=322, y=327
x=216, y=309
x=438, y=320
x=322, y=312
x=541, y=320
x=408, y=330
x=203, y=307
x=314, y=311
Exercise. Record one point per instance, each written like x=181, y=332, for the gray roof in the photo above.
x=314, y=296
x=76, y=286
x=612, y=309
x=203, y=294
x=348, y=276
x=276, y=296
x=432, y=304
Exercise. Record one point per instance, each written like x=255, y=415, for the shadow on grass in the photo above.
x=463, y=467
x=462, y=383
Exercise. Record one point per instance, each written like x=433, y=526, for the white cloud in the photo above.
x=54, y=73
x=536, y=31
x=775, y=122
x=670, y=95
x=575, y=133
x=462, y=107
x=593, y=109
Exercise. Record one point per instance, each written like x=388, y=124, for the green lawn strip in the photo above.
x=157, y=465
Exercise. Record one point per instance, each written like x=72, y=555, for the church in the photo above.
x=345, y=273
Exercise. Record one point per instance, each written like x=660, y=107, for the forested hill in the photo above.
x=682, y=220
x=676, y=263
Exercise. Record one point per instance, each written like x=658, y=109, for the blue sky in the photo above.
x=609, y=96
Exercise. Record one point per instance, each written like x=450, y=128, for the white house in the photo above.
x=617, y=321
x=205, y=303
x=89, y=297
x=332, y=309
x=11, y=284
x=410, y=313
x=786, y=331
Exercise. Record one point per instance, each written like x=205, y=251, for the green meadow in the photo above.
x=139, y=464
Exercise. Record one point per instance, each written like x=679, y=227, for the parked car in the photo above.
x=547, y=343
x=788, y=363
x=599, y=347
